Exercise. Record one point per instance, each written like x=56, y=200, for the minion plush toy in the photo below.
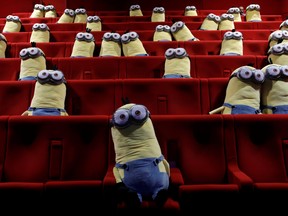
x=235, y=11
x=135, y=10
x=278, y=54
x=210, y=22
x=3, y=46
x=38, y=11
x=190, y=11
x=132, y=45
x=111, y=44
x=94, y=23
x=181, y=32
x=49, y=95
x=40, y=33
x=232, y=43
x=141, y=171
x=278, y=36
x=67, y=17
x=227, y=22
x=158, y=14
x=32, y=61
x=177, y=63
x=12, y=24
x=50, y=11
x=253, y=13
x=274, y=90
x=80, y=15
x=284, y=25
x=84, y=45
x=162, y=33
x=243, y=92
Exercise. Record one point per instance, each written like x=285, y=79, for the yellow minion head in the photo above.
x=284, y=25
x=235, y=11
x=135, y=10
x=111, y=44
x=158, y=14
x=227, y=22
x=84, y=45
x=94, y=23
x=232, y=43
x=50, y=11
x=273, y=93
x=177, y=63
x=190, y=11
x=132, y=45
x=278, y=36
x=3, y=46
x=253, y=13
x=49, y=94
x=181, y=32
x=40, y=33
x=243, y=91
x=12, y=24
x=38, y=11
x=67, y=17
x=32, y=61
x=162, y=33
x=278, y=54
x=80, y=15
x=211, y=22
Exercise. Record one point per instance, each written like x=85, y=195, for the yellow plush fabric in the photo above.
x=31, y=66
x=177, y=66
x=83, y=49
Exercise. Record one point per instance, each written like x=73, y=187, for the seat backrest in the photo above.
x=261, y=145
x=3, y=141
x=195, y=144
x=10, y=68
x=165, y=96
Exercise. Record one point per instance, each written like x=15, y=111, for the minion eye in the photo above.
x=277, y=49
x=257, y=7
x=133, y=35
x=217, y=18
x=166, y=28
x=43, y=26
x=139, y=113
x=96, y=18
x=15, y=18
x=23, y=53
x=259, y=76
x=125, y=38
x=169, y=54
x=228, y=35
x=72, y=13
x=245, y=73
x=57, y=75
x=9, y=17
x=116, y=36
x=238, y=34
x=173, y=28
x=285, y=34
x=107, y=35
x=224, y=16
x=284, y=70
x=43, y=74
x=88, y=36
x=277, y=35
x=211, y=16
x=180, y=52
x=121, y=118
x=285, y=47
x=80, y=35
x=89, y=19
x=273, y=72
x=180, y=24
x=36, y=26
x=159, y=27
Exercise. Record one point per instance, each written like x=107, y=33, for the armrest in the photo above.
x=176, y=179
x=235, y=175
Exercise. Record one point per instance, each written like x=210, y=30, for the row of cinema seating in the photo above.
x=135, y=26
x=243, y=160
x=123, y=19
x=144, y=35
x=134, y=67
x=152, y=48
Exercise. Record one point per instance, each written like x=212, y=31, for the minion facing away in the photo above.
x=177, y=63
x=49, y=95
x=140, y=171
x=243, y=92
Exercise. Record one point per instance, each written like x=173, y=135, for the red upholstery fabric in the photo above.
x=10, y=68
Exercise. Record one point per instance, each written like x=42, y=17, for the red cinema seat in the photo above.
x=27, y=27
x=262, y=153
x=158, y=48
x=15, y=37
x=134, y=26
x=196, y=145
x=165, y=96
x=62, y=36
x=15, y=96
x=88, y=68
x=3, y=141
x=210, y=47
x=144, y=67
x=10, y=68
x=220, y=66
x=81, y=160
x=92, y=97
x=256, y=34
x=255, y=47
x=268, y=25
